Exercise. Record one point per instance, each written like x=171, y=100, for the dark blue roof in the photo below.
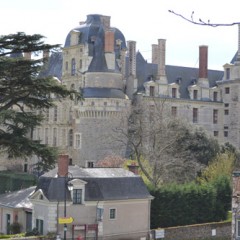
x=103, y=93
x=94, y=29
x=101, y=184
x=185, y=76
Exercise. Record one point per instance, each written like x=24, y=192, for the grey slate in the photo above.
x=17, y=199
x=101, y=184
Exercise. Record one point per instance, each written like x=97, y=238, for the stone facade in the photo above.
x=110, y=73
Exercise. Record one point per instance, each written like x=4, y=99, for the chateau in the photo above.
x=110, y=73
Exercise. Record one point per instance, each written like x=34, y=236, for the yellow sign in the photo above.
x=64, y=220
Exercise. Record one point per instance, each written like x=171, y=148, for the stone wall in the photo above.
x=198, y=231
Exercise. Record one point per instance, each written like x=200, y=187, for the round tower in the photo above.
x=92, y=64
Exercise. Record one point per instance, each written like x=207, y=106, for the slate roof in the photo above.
x=93, y=29
x=17, y=199
x=185, y=76
x=102, y=184
x=103, y=93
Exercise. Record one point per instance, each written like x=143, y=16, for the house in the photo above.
x=105, y=203
x=16, y=207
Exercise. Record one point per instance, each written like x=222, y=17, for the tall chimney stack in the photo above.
x=203, y=61
x=109, y=41
x=63, y=162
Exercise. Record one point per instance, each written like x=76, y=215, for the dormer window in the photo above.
x=215, y=96
x=195, y=94
x=174, y=92
x=227, y=73
x=78, y=191
x=77, y=196
x=151, y=91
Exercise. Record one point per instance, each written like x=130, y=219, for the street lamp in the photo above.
x=68, y=186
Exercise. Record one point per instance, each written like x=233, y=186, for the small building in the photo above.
x=102, y=203
x=16, y=207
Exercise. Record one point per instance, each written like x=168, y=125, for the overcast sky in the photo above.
x=142, y=21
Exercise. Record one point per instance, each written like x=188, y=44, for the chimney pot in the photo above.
x=63, y=162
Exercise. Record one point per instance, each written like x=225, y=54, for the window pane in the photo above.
x=77, y=196
x=112, y=213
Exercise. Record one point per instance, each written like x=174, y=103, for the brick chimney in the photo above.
x=109, y=41
x=63, y=162
x=133, y=167
x=203, y=61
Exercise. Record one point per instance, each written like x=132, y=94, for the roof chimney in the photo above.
x=203, y=61
x=109, y=41
x=63, y=162
x=133, y=167
x=161, y=57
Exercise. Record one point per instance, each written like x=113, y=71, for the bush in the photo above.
x=178, y=205
x=15, y=228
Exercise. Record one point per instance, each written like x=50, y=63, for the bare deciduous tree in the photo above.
x=163, y=145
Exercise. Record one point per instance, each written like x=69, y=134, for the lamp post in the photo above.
x=66, y=186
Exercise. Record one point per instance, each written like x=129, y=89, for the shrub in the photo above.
x=15, y=228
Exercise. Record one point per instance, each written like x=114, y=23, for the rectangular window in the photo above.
x=227, y=90
x=215, y=133
x=100, y=214
x=174, y=92
x=152, y=90
x=39, y=226
x=226, y=105
x=112, y=213
x=227, y=73
x=215, y=96
x=77, y=196
x=195, y=94
x=226, y=112
x=238, y=228
x=55, y=115
x=78, y=140
x=215, y=116
x=90, y=164
x=195, y=115
x=174, y=111
x=225, y=133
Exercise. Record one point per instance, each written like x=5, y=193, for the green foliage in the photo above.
x=12, y=181
x=23, y=92
x=178, y=205
x=15, y=228
x=221, y=165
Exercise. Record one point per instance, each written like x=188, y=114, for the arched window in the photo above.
x=73, y=70
x=70, y=138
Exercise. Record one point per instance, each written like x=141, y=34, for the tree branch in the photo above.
x=201, y=22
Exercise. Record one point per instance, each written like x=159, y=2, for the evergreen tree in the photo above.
x=23, y=92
